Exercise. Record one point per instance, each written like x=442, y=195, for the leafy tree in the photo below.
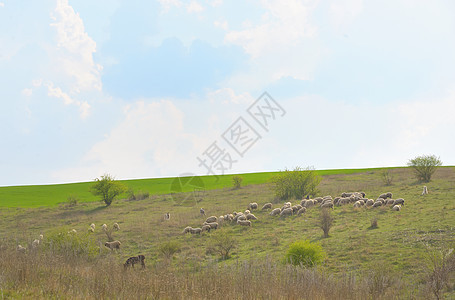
x=424, y=166
x=296, y=184
x=237, y=181
x=108, y=188
x=305, y=253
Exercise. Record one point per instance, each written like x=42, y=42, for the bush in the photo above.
x=424, y=166
x=70, y=244
x=138, y=195
x=72, y=200
x=237, y=181
x=168, y=249
x=108, y=188
x=305, y=253
x=374, y=223
x=387, y=178
x=222, y=243
x=325, y=221
x=295, y=184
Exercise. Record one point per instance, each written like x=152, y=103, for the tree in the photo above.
x=222, y=243
x=237, y=181
x=108, y=188
x=296, y=184
x=424, y=166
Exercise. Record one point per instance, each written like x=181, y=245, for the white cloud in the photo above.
x=75, y=49
x=194, y=7
x=84, y=107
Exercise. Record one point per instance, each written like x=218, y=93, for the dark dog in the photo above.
x=135, y=260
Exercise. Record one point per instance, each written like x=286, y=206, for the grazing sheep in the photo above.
x=237, y=216
x=21, y=249
x=346, y=195
x=267, y=206
x=206, y=228
x=213, y=225
x=211, y=219
x=242, y=217
x=308, y=203
x=296, y=208
x=195, y=230
x=92, y=226
x=399, y=201
x=357, y=204
x=220, y=219
x=187, y=229
x=72, y=231
x=113, y=245
x=369, y=202
x=252, y=206
x=425, y=191
x=35, y=244
x=318, y=199
x=377, y=204
x=275, y=212
x=135, y=260
x=202, y=211
x=327, y=205
x=41, y=237
x=244, y=222
x=90, y=229
x=246, y=212
x=390, y=202
x=301, y=211
x=167, y=216
x=396, y=208
x=286, y=212
x=335, y=201
x=385, y=195
x=250, y=216
x=116, y=227
x=104, y=227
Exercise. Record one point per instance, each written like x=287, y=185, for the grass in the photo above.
x=360, y=262
x=52, y=195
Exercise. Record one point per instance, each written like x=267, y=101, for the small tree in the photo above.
x=325, y=221
x=295, y=184
x=108, y=188
x=168, y=249
x=424, y=166
x=237, y=181
x=222, y=243
x=304, y=253
x=387, y=178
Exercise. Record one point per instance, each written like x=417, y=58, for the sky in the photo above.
x=143, y=89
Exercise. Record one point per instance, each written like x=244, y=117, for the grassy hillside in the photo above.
x=389, y=260
x=51, y=195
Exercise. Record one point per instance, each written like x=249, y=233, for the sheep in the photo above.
x=237, y=216
x=167, y=216
x=399, y=201
x=113, y=245
x=345, y=195
x=286, y=212
x=327, y=205
x=335, y=201
x=195, y=230
x=318, y=199
x=211, y=219
x=390, y=202
x=213, y=225
x=187, y=229
x=202, y=212
x=357, y=204
x=135, y=260
x=92, y=226
x=90, y=229
x=242, y=217
x=72, y=231
x=385, y=195
x=246, y=212
x=377, y=204
x=41, y=237
x=206, y=228
x=301, y=211
x=286, y=205
x=244, y=222
x=35, y=244
x=104, y=227
x=116, y=227
x=21, y=249
x=425, y=191
x=275, y=212
x=396, y=208
x=296, y=208
x=252, y=206
x=267, y=206
x=369, y=202
x=308, y=203
x=251, y=217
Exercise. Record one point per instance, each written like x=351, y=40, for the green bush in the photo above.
x=305, y=253
x=424, y=166
x=168, y=249
x=237, y=181
x=72, y=200
x=295, y=184
x=71, y=244
x=222, y=243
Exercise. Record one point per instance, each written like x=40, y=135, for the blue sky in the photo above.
x=141, y=89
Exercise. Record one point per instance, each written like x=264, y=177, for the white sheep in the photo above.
x=113, y=245
x=202, y=212
x=35, y=243
x=206, y=228
x=267, y=206
x=104, y=227
x=399, y=201
x=244, y=222
x=275, y=212
x=167, y=216
x=252, y=206
x=90, y=229
x=213, y=225
x=385, y=195
x=242, y=217
x=92, y=226
x=286, y=212
x=211, y=219
x=390, y=202
x=41, y=237
x=116, y=227
x=396, y=208
x=301, y=211
x=72, y=231
x=250, y=216
x=246, y=212
x=377, y=204
x=425, y=191
x=187, y=229
x=196, y=230
x=369, y=202
x=21, y=249
x=327, y=205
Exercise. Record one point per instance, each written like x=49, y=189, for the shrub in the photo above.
x=108, y=188
x=295, y=184
x=439, y=269
x=387, y=178
x=374, y=223
x=325, y=221
x=305, y=253
x=72, y=200
x=237, y=181
x=168, y=249
x=138, y=195
x=424, y=166
x=70, y=244
x=222, y=243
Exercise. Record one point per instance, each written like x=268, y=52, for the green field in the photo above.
x=51, y=195
x=389, y=262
